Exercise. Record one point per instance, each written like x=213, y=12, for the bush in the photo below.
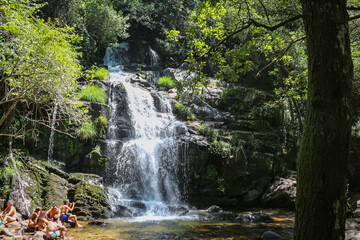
x=184, y=112
x=221, y=149
x=208, y=131
x=165, y=83
x=102, y=121
x=93, y=93
x=86, y=131
x=143, y=76
x=101, y=73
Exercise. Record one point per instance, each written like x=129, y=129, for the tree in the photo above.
x=324, y=151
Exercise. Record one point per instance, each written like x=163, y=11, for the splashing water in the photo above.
x=51, y=139
x=145, y=149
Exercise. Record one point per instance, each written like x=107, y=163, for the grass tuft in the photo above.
x=165, y=83
x=93, y=93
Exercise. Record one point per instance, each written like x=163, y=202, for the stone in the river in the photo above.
x=255, y=217
x=281, y=194
x=214, y=208
x=271, y=236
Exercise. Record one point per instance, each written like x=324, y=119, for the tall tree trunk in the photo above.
x=324, y=150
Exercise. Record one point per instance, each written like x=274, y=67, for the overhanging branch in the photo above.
x=250, y=23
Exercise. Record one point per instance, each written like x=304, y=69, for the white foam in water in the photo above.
x=143, y=169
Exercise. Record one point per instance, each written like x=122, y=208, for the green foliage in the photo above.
x=184, y=112
x=86, y=131
x=93, y=93
x=213, y=175
x=221, y=149
x=96, y=21
x=209, y=132
x=143, y=76
x=165, y=83
x=102, y=121
x=6, y=173
x=101, y=73
x=96, y=155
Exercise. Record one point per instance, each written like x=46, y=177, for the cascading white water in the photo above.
x=154, y=58
x=143, y=172
x=52, y=133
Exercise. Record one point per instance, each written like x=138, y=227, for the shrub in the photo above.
x=86, y=131
x=102, y=121
x=165, y=83
x=221, y=149
x=208, y=131
x=93, y=93
x=101, y=73
x=184, y=112
x=143, y=76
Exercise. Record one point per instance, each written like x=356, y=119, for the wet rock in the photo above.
x=97, y=223
x=214, y=208
x=271, y=236
x=353, y=224
x=254, y=217
x=122, y=211
x=281, y=194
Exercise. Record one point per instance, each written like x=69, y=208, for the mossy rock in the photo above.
x=90, y=197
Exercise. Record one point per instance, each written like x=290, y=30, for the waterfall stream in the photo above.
x=154, y=58
x=145, y=150
x=52, y=133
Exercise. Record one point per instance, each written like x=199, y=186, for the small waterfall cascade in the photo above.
x=145, y=144
x=52, y=133
x=154, y=57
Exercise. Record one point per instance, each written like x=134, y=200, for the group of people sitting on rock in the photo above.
x=48, y=222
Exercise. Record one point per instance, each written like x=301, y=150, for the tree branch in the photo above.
x=353, y=8
x=354, y=17
x=278, y=58
x=251, y=22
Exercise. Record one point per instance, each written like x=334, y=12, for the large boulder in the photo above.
x=281, y=194
x=90, y=197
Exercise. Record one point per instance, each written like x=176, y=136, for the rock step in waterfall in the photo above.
x=145, y=147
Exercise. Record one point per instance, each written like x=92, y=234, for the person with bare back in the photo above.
x=55, y=230
x=9, y=214
x=69, y=207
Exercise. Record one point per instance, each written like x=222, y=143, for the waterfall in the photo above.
x=145, y=147
x=154, y=57
x=52, y=133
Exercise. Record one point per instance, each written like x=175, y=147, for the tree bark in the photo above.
x=324, y=150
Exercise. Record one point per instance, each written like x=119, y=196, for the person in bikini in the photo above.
x=69, y=207
x=54, y=230
x=33, y=219
x=9, y=214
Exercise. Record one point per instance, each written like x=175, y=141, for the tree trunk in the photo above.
x=324, y=150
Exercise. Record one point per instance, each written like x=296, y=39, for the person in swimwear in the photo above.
x=69, y=207
x=55, y=230
x=9, y=214
x=52, y=212
x=42, y=222
x=33, y=219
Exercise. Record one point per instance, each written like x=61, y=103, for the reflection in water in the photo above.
x=196, y=225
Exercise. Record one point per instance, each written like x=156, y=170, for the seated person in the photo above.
x=69, y=207
x=52, y=212
x=55, y=230
x=42, y=221
x=9, y=214
x=33, y=219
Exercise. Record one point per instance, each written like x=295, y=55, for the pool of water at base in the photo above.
x=195, y=225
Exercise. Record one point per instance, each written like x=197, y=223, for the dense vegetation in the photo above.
x=49, y=52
